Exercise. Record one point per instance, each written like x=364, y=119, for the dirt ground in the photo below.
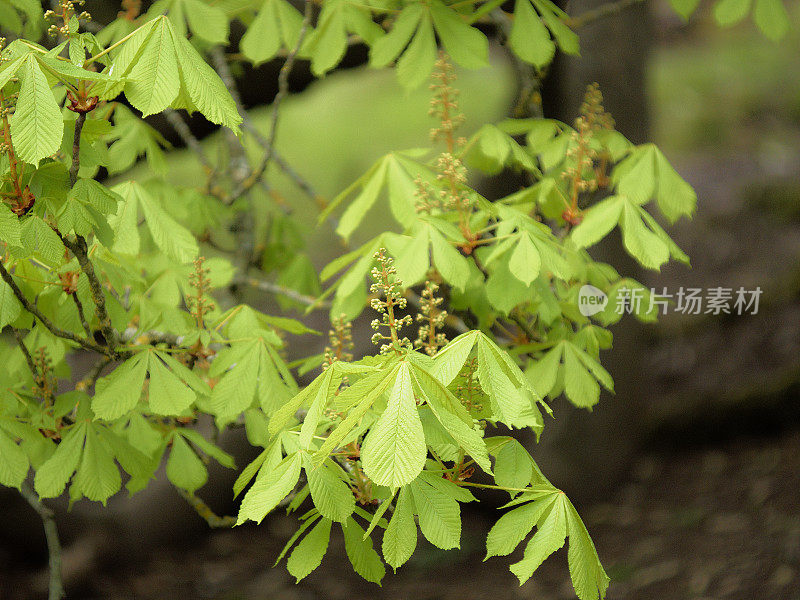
x=697, y=523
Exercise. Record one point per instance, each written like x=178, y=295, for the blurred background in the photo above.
x=687, y=478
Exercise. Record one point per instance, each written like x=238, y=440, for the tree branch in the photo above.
x=76, y=149
x=56, y=331
x=214, y=520
x=274, y=288
x=80, y=249
x=182, y=129
x=51, y=534
x=601, y=12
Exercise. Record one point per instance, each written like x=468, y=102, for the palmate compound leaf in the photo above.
x=580, y=374
x=642, y=236
x=416, y=23
x=394, y=450
x=556, y=518
x=173, y=239
x=160, y=68
x=393, y=175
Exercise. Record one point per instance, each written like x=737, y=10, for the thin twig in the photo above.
x=26, y=353
x=601, y=12
x=283, y=90
x=175, y=120
x=51, y=534
x=93, y=375
x=274, y=288
x=31, y=308
x=81, y=314
x=204, y=510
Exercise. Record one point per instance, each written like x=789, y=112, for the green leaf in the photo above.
x=184, y=468
x=277, y=24
x=332, y=496
x=641, y=243
x=450, y=359
x=549, y=537
x=439, y=515
x=121, y=389
x=394, y=450
x=466, y=45
x=388, y=47
x=525, y=261
x=10, y=230
x=449, y=261
x=37, y=125
x=218, y=454
x=271, y=486
x=207, y=21
x=514, y=526
x=172, y=239
x=580, y=387
x=400, y=537
x=597, y=222
x=153, y=82
x=203, y=87
x=369, y=390
x=167, y=394
x=529, y=37
x=771, y=18
x=675, y=197
x=13, y=464
x=97, y=477
x=362, y=555
x=10, y=308
x=684, y=8
x=453, y=417
x=308, y=554
x=729, y=12
x=53, y=475
x=513, y=467
x=417, y=62
x=327, y=43
x=588, y=576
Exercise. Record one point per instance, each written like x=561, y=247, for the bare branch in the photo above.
x=204, y=510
